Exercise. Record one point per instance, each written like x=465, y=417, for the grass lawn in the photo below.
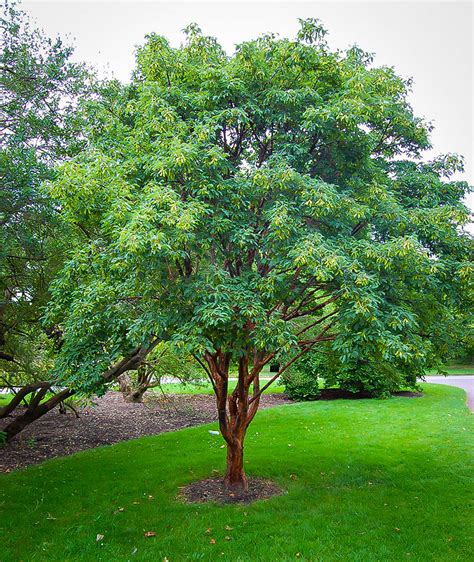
x=453, y=370
x=4, y=399
x=366, y=480
x=206, y=388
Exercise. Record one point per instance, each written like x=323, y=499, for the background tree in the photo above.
x=40, y=126
x=251, y=207
x=163, y=362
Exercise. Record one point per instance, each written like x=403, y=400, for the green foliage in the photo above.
x=462, y=352
x=301, y=380
x=166, y=361
x=40, y=127
x=376, y=379
x=365, y=374
x=260, y=203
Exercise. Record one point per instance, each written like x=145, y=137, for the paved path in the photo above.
x=465, y=382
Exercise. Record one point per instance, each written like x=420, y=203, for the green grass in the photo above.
x=366, y=480
x=4, y=399
x=454, y=370
x=206, y=388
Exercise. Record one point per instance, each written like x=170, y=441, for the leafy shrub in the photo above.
x=374, y=377
x=301, y=379
x=376, y=380
x=463, y=352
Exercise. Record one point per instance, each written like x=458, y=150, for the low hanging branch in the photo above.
x=38, y=406
x=20, y=395
x=35, y=410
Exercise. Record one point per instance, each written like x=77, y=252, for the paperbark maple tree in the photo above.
x=250, y=207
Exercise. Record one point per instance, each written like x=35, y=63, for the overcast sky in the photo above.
x=427, y=40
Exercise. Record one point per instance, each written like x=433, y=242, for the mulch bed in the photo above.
x=213, y=490
x=110, y=420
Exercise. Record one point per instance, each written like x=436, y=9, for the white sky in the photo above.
x=431, y=41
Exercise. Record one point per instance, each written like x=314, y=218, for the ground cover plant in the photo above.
x=365, y=480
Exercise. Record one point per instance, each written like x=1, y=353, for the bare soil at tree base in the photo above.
x=213, y=490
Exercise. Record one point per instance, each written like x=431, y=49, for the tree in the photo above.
x=251, y=207
x=40, y=126
x=163, y=361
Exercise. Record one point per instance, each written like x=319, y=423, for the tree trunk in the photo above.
x=235, y=478
x=129, y=393
x=125, y=385
x=235, y=412
x=137, y=396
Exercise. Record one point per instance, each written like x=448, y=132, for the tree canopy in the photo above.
x=251, y=207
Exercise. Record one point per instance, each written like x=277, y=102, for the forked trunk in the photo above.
x=235, y=412
x=129, y=392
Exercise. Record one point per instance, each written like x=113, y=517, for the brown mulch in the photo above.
x=213, y=490
x=408, y=394
x=110, y=420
